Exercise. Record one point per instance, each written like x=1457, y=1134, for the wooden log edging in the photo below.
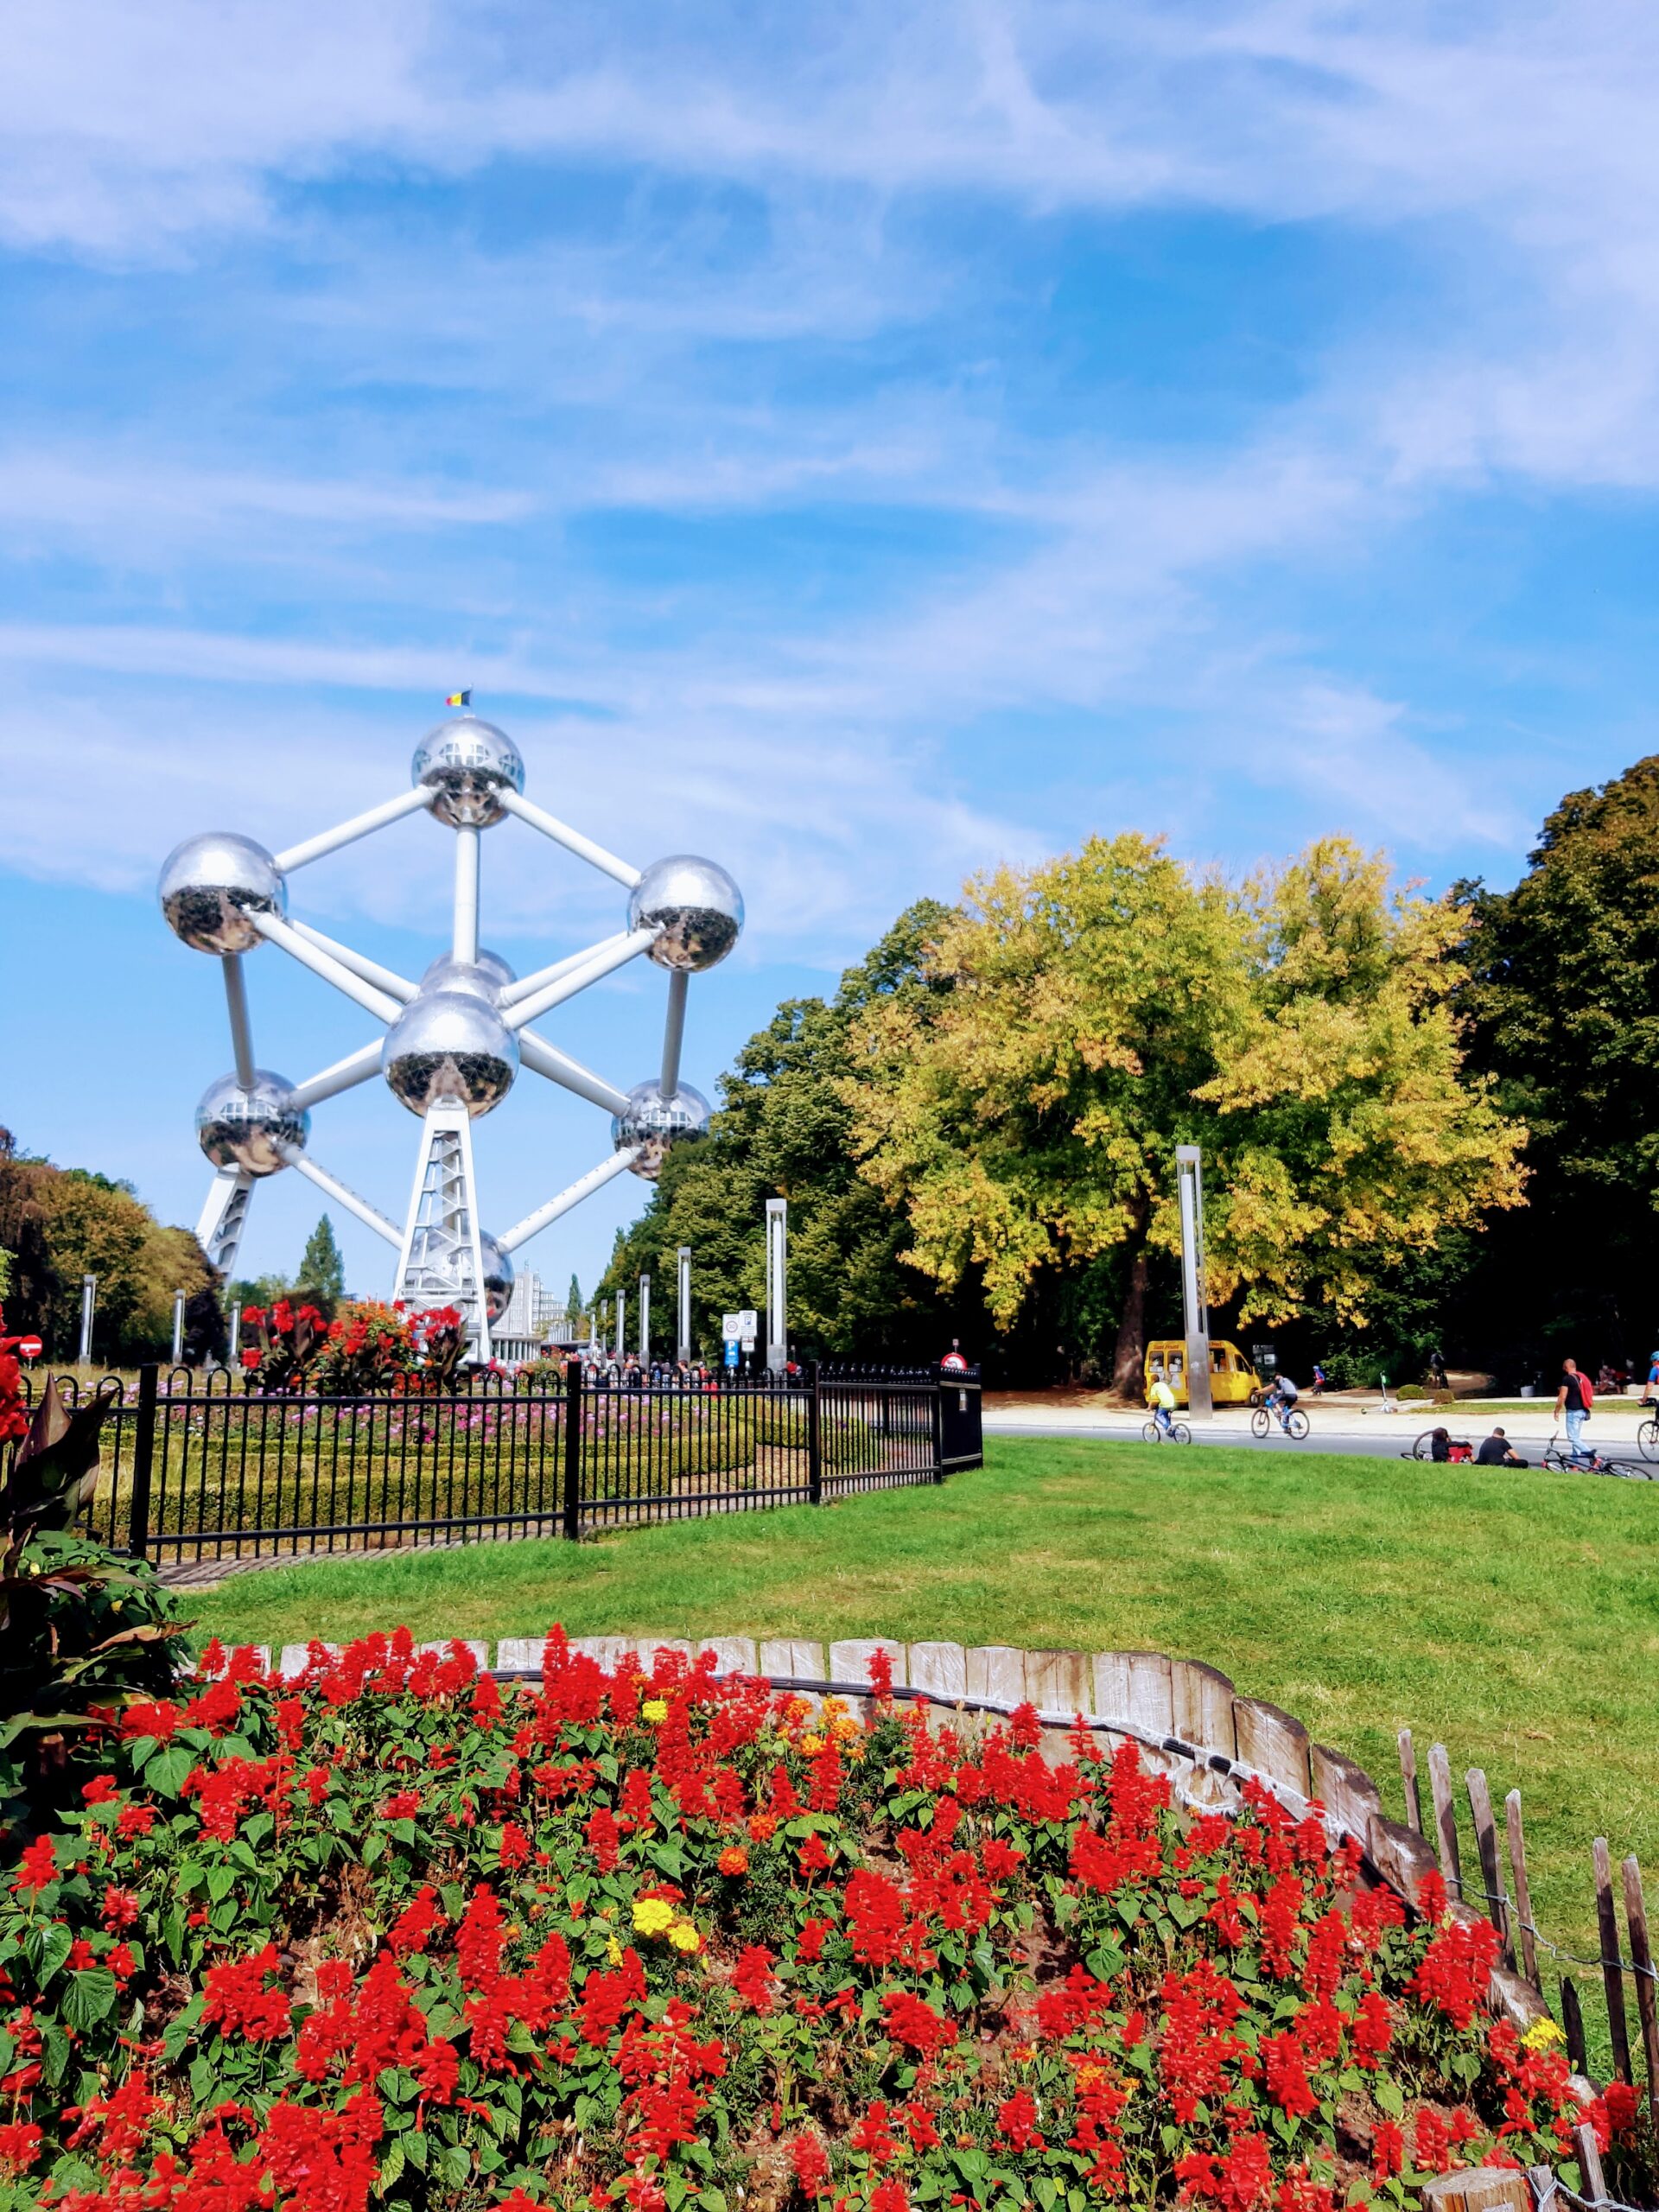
x=1182, y=1713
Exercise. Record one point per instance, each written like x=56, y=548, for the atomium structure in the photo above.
x=453, y=1043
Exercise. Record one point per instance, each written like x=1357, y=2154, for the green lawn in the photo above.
x=1513, y=1616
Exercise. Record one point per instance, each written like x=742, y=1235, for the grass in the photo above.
x=1513, y=1616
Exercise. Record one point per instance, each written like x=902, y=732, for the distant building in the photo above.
x=534, y=1318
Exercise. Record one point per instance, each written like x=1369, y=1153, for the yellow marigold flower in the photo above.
x=654, y=1709
x=613, y=1951
x=845, y=1726
x=1543, y=2034
x=684, y=1937
x=652, y=1916
x=811, y=1745
x=797, y=1709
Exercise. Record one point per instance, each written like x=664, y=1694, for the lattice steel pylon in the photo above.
x=453, y=1043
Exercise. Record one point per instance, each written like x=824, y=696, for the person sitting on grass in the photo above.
x=1161, y=1399
x=1497, y=1452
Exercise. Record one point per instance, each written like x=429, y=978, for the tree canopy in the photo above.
x=60, y=1224
x=785, y=1129
x=322, y=1271
x=1072, y=1023
x=1562, y=1000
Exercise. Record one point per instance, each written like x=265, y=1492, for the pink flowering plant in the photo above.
x=395, y=1934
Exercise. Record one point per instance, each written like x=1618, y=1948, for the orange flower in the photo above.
x=733, y=1860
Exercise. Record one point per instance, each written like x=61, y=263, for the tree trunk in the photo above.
x=1129, y=1357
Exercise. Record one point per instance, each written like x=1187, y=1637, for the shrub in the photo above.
x=392, y=1936
x=1414, y=1390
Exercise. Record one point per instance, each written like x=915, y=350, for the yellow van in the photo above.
x=1232, y=1379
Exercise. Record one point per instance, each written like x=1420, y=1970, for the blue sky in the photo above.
x=859, y=443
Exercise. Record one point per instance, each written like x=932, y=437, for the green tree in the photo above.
x=1091, y=1013
x=322, y=1272
x=1563, y=1004
x=574, y=1308
x=784, y=1130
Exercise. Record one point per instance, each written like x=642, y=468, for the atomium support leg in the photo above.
x=442, y=1260
x=225, y=1215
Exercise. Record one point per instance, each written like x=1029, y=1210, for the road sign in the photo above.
x=740, y=1328
x=731, y=1352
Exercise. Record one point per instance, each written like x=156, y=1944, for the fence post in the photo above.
x=1612, y=1971
x=814, y=1436
x=144, y=1461
x=573, y=1450
x=938, y=1428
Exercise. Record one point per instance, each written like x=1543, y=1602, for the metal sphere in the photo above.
x=486, y=976
x=449, y=1047
x=497, y=1277
x=254, y=1129
x=468, y=762
x=657, y=1124
x=696, y=906
x=211, y=884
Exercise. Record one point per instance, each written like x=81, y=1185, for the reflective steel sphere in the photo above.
x=657, y=1124
x=250, y=1130
x=497, y=1277
x=467, y=761
x=209, y=885
x=698, y=907
x=450, y=1047
x=485, y=976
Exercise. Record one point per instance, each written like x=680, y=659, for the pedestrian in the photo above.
x=1439, y=1446
x=1573, y=1401
x=1497, y=1452
x=1318, y=1388
x=1437, y=1369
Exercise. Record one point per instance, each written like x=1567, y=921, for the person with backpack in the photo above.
x=1573, y=1401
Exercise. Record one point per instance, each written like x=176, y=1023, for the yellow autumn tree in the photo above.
x=1112, y=1004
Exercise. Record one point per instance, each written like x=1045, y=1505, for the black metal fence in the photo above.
x=196, y=1467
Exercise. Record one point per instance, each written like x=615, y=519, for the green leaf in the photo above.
x=46, y=1949
x=455, y=2166
x=169, y=1771
x=221, y=1880
x=1389, y=2095
x=414, y=2148
x=89, y=1997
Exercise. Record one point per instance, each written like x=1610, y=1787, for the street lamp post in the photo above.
x=1195, y=1310
x=644, y=1320
x=178, y=1326
x=682, y=1333
x=88, y=1301
x=776, y=1285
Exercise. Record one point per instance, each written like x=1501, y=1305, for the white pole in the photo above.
x=777, y=1315
x=527, y=984
x=356, y=1067
x=644, y=1320
x=674, y=1031
x=466, y=935
x=572, y=840
x=1195, y=1311
x=558, y=1067
x=235, y=1332
x=178, y=1326
x=342, y=1194
x=595, y=1180
x=383, y=979
x=600, y=965
x=236, y=1002
x=621, y=1326
x=330, y=841
x=88, y=1299
x=322, y=964
x=683, y=1332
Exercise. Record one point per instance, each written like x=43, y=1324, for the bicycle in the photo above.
x=1458, y=1449
x=1177, y=1433
x=1295, y=1422
x=1646, y=1436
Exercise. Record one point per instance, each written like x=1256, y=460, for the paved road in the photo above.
x=1333, y=1428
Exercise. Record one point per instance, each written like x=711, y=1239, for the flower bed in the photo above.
x=394, y=1935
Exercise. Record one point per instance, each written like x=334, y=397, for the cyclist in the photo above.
x=1161, y=1399
x=1281, y=1397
